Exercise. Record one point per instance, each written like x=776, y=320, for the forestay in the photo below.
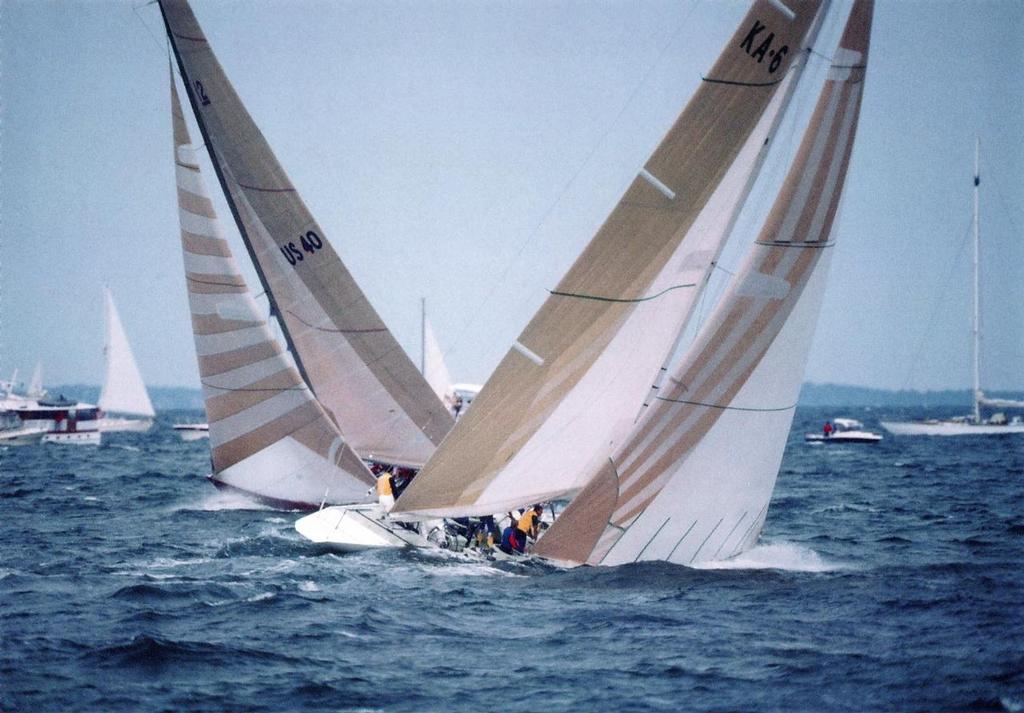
x=269, y=436
x=343, y=350
x=694, y=480
x=123, y=389
x=573, y=383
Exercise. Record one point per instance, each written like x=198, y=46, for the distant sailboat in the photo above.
x=583, y=389
x=35, y=386
x=342, y=349
x=974, y=424
x=269, y=436
x=124, y=394
x=455, y=397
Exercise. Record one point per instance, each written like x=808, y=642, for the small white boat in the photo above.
x=192, y=431
x=845, y=430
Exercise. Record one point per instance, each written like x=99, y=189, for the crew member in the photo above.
x=385, y=491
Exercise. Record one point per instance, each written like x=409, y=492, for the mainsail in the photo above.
x=356, y=368
x=576, y=378
x=269, y=436
x=123, y=390
x=694, y=479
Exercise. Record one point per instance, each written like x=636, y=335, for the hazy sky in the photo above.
x=466, y=151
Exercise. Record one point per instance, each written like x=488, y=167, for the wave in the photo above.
x=218, y=500
x=786, y=556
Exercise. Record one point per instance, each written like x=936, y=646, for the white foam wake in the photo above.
x=776, y=555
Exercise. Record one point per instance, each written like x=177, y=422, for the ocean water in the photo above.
x=888, y=578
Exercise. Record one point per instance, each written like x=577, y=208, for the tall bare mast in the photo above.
x=977, y=292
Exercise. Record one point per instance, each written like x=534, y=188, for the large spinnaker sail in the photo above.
x=576, y=378
x=346, y=354
x=694, y=480
x=269, y=437
x=123, y=389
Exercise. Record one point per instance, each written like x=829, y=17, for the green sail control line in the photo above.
x=621, y=299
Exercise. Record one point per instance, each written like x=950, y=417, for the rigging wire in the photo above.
x=560, y=195
x=954, y=264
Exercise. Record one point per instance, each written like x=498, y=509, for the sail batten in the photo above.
x=341, y=347
x=269, y=436
x=577, y=375
x=693, y=456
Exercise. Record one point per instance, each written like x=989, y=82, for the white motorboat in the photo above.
x=192, y=431
x=58, y=420
x=845, y=430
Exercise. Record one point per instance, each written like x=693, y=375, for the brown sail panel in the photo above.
x=343, y=350
x=614, y=273
x=783, y=272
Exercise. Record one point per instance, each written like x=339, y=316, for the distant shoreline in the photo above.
x=812, y=395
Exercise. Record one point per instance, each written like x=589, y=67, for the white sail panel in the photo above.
x=434, y=368
x=564, y=388
x=123, y=390
x=269, y=437
x=35, y=386
x=356, y=368
x=694, y=479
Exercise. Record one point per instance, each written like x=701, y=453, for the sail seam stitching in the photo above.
x=734, y=83
x=338, y=331
x=706, y=540
x=787, y=244
x=265, y=190
x=559, y=293
x=653, y=538
x=724, y=408
x=692, y=525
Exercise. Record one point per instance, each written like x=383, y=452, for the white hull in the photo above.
x=21, y=436
x=75, y=438
x=192, y=431
x=844, y=437
x=352, y=528
x=134, y=425
x=949, y=428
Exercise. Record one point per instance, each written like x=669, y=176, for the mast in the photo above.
x=423, y=335
x=977, y=293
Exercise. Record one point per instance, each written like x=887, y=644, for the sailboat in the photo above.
x=974, y=424
x=269, y=436
x=343, y=351
x=585, y=404
x=123, y=395
x=456, y=397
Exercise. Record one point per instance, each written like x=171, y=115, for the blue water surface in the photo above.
x=888, y=578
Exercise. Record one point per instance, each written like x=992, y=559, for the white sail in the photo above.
x=576, y=379
x=35, y=386
x=123, y=390
x=343, y=350
x=269, y=437
x=694, y=479
x=434, y=368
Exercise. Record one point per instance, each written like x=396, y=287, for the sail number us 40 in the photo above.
x=308, y=243
x=775, y=57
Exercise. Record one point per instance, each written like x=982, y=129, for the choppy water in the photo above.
x=888, y=578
